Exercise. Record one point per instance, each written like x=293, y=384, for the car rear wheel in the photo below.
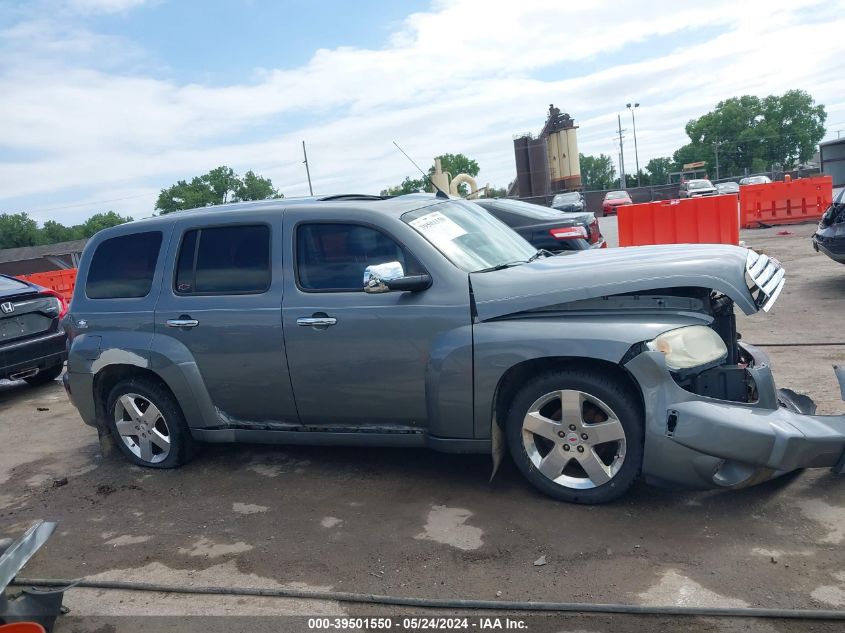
x=45, y=375
x=148, y=424
x=577, y=436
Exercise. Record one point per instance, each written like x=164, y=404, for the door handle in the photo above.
x=182, y=322
x=316, y=321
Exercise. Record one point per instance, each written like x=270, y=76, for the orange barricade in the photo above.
x=62, y=281
x=792, y=202
x=705, y=220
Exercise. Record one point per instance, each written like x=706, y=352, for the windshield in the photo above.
x=567, y=197
x=700, y=184
x=616, y=195
x=468, y=236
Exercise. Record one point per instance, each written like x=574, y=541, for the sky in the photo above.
x=105, y=102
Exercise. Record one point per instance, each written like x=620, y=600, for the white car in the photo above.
x=696, y=188
x=755, y=180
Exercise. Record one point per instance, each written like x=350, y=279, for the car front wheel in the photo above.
x=577, y=435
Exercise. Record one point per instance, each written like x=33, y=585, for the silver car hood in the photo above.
x=601, y=272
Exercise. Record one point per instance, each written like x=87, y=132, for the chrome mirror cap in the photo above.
x=376, y=276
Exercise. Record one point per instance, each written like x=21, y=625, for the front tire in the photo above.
x=577, y=435
x=148, y=425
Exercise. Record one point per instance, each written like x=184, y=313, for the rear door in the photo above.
x=221, y=299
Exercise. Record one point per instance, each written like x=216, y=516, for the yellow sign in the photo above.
x=696, y=165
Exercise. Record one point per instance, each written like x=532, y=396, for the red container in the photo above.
x=790, y=202
x=62, y=281
x=704, y=220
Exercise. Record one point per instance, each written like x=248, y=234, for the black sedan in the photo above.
x=547, y=228
x=830, y=236
x=32, y=343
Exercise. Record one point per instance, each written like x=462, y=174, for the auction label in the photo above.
x=423, y=623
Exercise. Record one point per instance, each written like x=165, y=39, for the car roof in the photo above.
x=394, y=206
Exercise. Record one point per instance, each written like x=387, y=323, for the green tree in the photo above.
x=409, y=185
x=496, y=192
x=253, y=187
x=53, y=232
x=749, y=133
x=17, y=229
x=100, y=221
x=453, y=164
x=659, y=169
x=597, y=172
x=218, y=186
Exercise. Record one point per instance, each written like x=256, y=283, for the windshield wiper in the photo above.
x=540, y=253
x=502, y=266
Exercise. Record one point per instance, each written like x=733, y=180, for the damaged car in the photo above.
x=829, y=238
x=423, y=321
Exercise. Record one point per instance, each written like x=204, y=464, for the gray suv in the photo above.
x=419, y=321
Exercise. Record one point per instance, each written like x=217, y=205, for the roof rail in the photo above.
x=352, y=196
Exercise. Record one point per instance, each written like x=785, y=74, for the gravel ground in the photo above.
x=420, y=523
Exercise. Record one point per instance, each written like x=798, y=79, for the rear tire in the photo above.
x=45, y=376
x=147, y=424
x=577, y=435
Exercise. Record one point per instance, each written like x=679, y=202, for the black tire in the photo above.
x=45, y=376
x=181, y=444
x=600, y=392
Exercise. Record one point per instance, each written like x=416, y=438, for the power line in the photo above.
x=93, y=202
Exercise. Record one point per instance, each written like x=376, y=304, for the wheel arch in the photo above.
x=516, y=376
x=109, y=376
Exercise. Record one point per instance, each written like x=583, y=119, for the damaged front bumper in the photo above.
x=693, y=441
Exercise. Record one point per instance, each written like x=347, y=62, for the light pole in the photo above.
x=636, y=154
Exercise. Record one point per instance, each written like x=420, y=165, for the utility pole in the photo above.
x=622, y=182
x=716, y=147
x=307, y=170
x=636, y=151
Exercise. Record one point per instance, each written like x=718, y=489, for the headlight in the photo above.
x=689, y=347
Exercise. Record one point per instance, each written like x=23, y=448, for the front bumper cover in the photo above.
x=692, y=441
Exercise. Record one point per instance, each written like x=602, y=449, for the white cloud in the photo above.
x=463, y=77
x=104, y=6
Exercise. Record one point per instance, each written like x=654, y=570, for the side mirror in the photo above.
x=389, y=276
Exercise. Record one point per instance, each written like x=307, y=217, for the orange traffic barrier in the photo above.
x=62, y=281
x=705, y=220
x=788, y=202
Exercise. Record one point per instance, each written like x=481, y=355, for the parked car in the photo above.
x=422, y=321
x=697, y=188
x=613, y=200
x=755, y=180
x=829, y=238
x=727, y=187
x=544, y=227
x=569, y=202
x=32, y=345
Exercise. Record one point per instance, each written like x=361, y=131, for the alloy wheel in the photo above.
x=574, y=439
x=142, y=428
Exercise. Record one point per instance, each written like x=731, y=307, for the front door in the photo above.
x=369, y=360
x=221, y=305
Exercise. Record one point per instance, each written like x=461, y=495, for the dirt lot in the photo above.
x=419, y=523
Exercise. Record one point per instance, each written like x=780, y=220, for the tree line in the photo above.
x=218, y=186
x=746, y=134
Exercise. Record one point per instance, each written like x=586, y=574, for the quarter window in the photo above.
x=123, y=267
x=224, y=260
x=334, y=256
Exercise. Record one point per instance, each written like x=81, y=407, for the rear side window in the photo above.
x=224, y=260
x=123, y=267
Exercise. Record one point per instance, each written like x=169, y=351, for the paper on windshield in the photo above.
x=437, y=228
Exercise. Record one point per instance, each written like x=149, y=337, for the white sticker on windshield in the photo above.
x=437, y=228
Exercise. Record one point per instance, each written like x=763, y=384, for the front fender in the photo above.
x=503, y=344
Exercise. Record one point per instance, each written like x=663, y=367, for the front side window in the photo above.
x=123, y=267
x=468, y=236
x=224, y=260
x=332, y=257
